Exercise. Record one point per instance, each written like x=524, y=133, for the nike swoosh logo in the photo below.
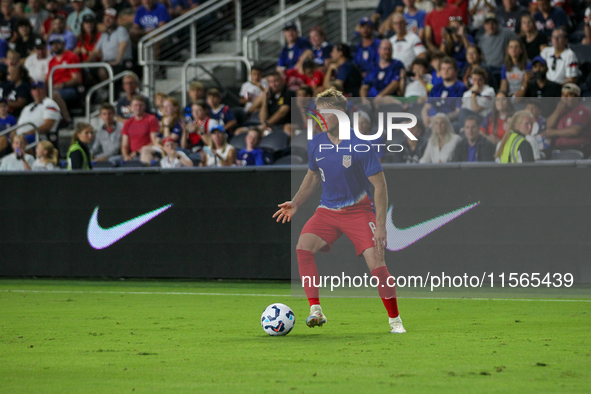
x=317, y=159
x=399, y=239
x=100, y=238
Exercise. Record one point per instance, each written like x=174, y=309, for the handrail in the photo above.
x=216, y=59
x=100, y=85
x=18, y=126
x=81, y=65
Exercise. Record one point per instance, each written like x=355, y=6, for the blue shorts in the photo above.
x=30, y=138
x=68, y=94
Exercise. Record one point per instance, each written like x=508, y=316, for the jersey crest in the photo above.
x=346, y=161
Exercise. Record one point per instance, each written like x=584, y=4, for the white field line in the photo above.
x=277, y=295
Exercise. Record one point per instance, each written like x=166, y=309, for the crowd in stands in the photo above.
x=488, y=80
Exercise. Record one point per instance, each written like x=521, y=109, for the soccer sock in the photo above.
x=387, y=293
x=307, y=266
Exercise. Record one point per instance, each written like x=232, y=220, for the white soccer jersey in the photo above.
x=407, y=49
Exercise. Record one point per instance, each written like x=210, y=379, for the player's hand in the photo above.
x=285, y=212
x=380, y=239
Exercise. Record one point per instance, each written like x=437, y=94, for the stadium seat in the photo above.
x=269, y=155
x=195, y=158
x=300, y=140
x=569, y=154
x=239, y=141
x=583, y=52
x=276, y=141
x=132, y=164
x=103, y=164
x=288, y=160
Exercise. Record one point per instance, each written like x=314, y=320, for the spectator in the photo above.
x=252, y=155
x=200, y=127
x=479, y=100
x=419, y=84
x=252, y=89
x=441, y=96
x=514, y=68
x=514, y=148
x=509, y=15
x=462, y=6
x=53, y=7
x=58, y=29
x=406, y=45
x=320, y=48
x=494, y=42
x=173, y=157
x=76, y=17
x=19, y=160
x=342, y=69
x=412, y=150
x=20, y=93
x=366, y=54
x=38, y=61
x=415, y=18
x=456, y=40
x=151, y=15
x=127, y=17
x=42, y=112
x=587, y=28
x=65, y=80
x=534, y=106
x=171, y=126
x=220, y=112
x=384, y=78
x=474, y=59
x=219, y=153
x=310, y=76
x=196, y=93
x=107, y=142
x=87, y=39
x=131, y=84
x=384, y=9
x=549, y=18
x=78, y=155
x=304, y=99
x=7, y=20
x=473, y=147
x=425, y=5
x=25, y=38
x=436, y=21
x=295, y=46
x=275, y=104
x=138, y=129
x=443, y=141
x=569, y=124
x=535, y=84
x=47, y=157
x=533, y=40
x=158, y=101
x=113, y=46
x=564, y=65
x=478, y=9
x=435, y=69
x=37, y=15
x=6, y=120
x=495, y=124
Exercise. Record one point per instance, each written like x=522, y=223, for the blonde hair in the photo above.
x=176, y=116
x=513, y=126
x=434, y=139
x=51, y=151
x=331, y=98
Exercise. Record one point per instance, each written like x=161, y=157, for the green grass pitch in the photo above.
x=60, y=336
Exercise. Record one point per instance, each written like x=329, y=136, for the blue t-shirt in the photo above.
x=386, y=7
x=322, y=53
x=177, y=130
x=289, y=56
x=3, y=48
x=418, y=19
x=379, y=78
x=557, y=18
x=7, y=122
x=460, y=51
x=223, y=116
x=367, y=57
x=253, y=158
x=345, y=173
x=351, y=77
x=149, y=20
x=439, y=97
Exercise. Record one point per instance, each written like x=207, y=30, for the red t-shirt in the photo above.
x=295, y=79
x=487, y=127
x=463, y=9
x=87, y=45
x=440, y=19
x=63, y=74
x=48, y=21
x=139, y=131
x=580, y=115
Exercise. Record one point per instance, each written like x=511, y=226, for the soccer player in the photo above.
x=346, y=206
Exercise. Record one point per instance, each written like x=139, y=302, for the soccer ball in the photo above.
x=277, y=319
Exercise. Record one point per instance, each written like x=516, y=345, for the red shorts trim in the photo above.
x=358, y=225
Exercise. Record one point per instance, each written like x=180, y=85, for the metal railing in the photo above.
x=96, y=87
x=18, y=126
x=105, y=65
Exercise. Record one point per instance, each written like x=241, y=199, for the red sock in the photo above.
x=387, y=293
x=307, y=266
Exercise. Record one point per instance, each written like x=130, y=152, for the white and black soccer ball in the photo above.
x=278, y=319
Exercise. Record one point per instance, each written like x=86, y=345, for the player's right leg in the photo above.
x=308, y=245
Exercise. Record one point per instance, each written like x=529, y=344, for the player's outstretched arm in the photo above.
x=381, y=204
x=289, y=208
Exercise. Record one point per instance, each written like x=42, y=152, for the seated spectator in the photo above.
x=87, y=39
x=562, y=61
x=441, y=96
x=76, y=17
x=474, y=59
x=131, y=84
x=171, y=126
x=384, y=78
x=384, y=9
x=495, y=124
x=479, y=100
x=47, y=157
x=107, y=142
x=220, y=112
x=412, y=150
x=19, y=94
x=494, y=42
x=275, y=104
x=535, y=84
x=455, y=40
x=532, y=38
x=65, y=80
x=7, y=20
x=419, y=83
x=127, y=16
x=514, y=148
x=509, y=15
x=365, y=54
x=320, y=48
x=343, y=70
x=38, y=61
x=219, y=153
x=310, y=76
x=78, y=156
x=158, y=102
x=113, y=46
x=294, y=47
x=514, y=67
x=151, y=15
x=36, y=15
x=415, y=18
x=568, y=126
x=137, y=130
x=587, y=28
x=6, y=120
x=42, y=112
x=478, y=9
x=406, y=45
x=196, y=94
x=549, y=18
x=58, y=29
x=19, y=160
x=54, y=9
x=250, y=90
x=473, y=147
x=534, y=106
x=24, y=42
x=443, y=141
x=252, y=155
x=199, y=129
x=436, y=21
x=435, y=63
x=173, y=157
x=299, y=117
